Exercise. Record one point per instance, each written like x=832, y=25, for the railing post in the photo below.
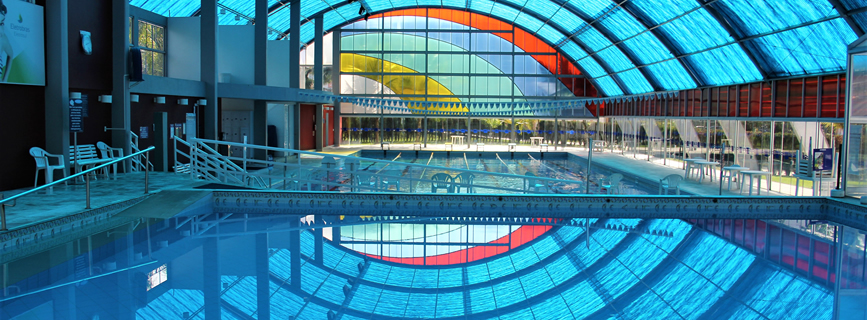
x=2, y=215
x=87, y=190
x=147, y=171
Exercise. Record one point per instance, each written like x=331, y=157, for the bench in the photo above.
x=543, y=145
x=85, y=156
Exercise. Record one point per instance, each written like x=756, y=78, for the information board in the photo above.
x=76, y=115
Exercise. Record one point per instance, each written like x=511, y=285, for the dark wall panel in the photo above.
x=90, y=71
x=22, y=126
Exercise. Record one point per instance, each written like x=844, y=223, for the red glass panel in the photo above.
x=829, y=97
x=760, y=235
x=788, y=247
x=821, y=257
x=739, y=231
x=723, y=106
x=811, y=99
x=841, y=113
x=744, y=100
x=767, y=103
x=750, y=234
x=676, y=105
x=804, y=253
x=461, y=17
x=775, y=245
x=732, y=107
x=796, y=94
x=714, y=101
x=780, y=99
x=755, y=99
x=690, y=103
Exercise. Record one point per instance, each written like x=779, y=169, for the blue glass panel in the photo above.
x=522, y=314
x=861, y=19
x=594, y=40
x=500, y=267
x=550, y=35
x=518, y=3
x=313, y=311
x=817, y=48
x=505, y=12
x=478, y=273
x=307, y=32
x=536, y=282
x=483, y=6
x=425, y=278
x=400, y=276
x=450, y=304
x=573, y=51
x=379, y=5
x=591, y=8
x=647, y=48
x=280, y=263
x=169, y=8
x=336, y=17
x=508, y=293
x=660, y=13
x=229, y=20
x=455, y=3
x=854, y=4
x=761, y=16
x=392, y=303
x=544, y=9
x=695, y=32
x=561, y=270
x=607, y=86
x=635, y=81
x=621, y=24
x=525, y=257
x=365, y=298
x=582, y=300
x=552, y=308
x=482, y=300
x=528, y=23
x=671, y=75
x=725, y=65
x=616, y=60
x=568, y=21
x=451, y=278
x=280, y=19
x=430, y=3
x=422, y=305
x=309, y=7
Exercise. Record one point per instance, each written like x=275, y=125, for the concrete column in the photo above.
x=260, y=71
x=160, y=155
x=337, y=125
x=120, y=113
x=263, y=292
x=211, y=282
x=335, y=62
x=318, y=52
x=320, y=127
x=469, y=132
x=296, y=123
x=57, y=79
x=295, y=44
x=208, y=13
x=557, y=133
x=318, y=240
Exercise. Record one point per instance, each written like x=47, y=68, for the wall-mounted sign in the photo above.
x=823, y=159
x=143, y=132
x=22, y=44
x=76, y=116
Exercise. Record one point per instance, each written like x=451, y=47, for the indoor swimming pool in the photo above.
x=201, y=264
x=460, y=172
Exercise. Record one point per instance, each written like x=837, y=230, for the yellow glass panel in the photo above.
x=407, y=84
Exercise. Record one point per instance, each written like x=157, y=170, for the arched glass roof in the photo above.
x=626, y=46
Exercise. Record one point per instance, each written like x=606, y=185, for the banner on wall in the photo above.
x=22, y=43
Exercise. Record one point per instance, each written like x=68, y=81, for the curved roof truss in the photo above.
x=625, y=46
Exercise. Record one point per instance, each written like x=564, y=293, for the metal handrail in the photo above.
x=146, y=152
x=505, y=175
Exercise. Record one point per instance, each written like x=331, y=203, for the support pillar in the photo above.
x=469, y=132
x=208, y=13
x=295, y=254
x=57, y=79
x=295, y=44
x=260, y=71
x=335, y=86
x=120, y=112
x=318, y=240
x=160, y=155
x=557, y=133
x=514, y=136
x=318, y=52
x=211, y=282
x=263, y=283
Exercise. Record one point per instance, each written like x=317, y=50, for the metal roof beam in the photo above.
x=728, y=28
x=847, y=17
x=666, y=42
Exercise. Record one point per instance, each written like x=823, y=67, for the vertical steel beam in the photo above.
x=209, y=69
x=57, y=79
x=120, y=112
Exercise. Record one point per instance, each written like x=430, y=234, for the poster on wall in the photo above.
x=22, y=43
x=823, y=159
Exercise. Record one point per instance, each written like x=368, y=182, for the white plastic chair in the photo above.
x=530, y=183
x=671, y=181
x=43, y=163
x=106, y=152
x=612, y=185
x=390, y=178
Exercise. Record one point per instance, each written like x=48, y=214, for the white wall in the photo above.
x=278, y=63
x=235, y=49
x=184, y=42
x=237, y=121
